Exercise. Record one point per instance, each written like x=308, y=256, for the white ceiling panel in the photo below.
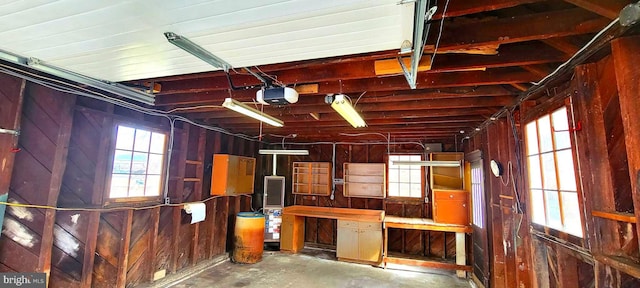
x=123, y=40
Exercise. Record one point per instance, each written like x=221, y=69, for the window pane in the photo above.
x=554, y=219
x=139, y=165
x=124, y=139
x=537, y=207
x=136, y=186
x=152, y=186
x=155, y=164
x=563, y=140
x=119, y=185
x=404, y=176
x=549, y=171
x=393, y=175
x=566, y=174
x=142, y=140
x=122, y=162
x=544, y=129
x=393, y=189
x=415, y=176
x=532, y=138
x=535, y=178
x=571, y=210
x=560, y=120
x=405, y=189
x=157, y=143
x=416, y=191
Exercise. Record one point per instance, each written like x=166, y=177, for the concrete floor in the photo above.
x=314, y=269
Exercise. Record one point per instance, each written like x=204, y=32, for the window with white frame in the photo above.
x=553, y=188
x=405, y=180
x=138, y=161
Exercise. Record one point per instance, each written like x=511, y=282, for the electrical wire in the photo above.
x=110, y=209
x=192, y=108
x=435, y=49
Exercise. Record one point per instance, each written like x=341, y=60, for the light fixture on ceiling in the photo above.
x=195, y=50
x=111, y=87
x=342, y=105
x=251, y=112
x=428, y=163
x=283, y=152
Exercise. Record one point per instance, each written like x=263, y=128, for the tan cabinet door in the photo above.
x=347, y=244
x=370, y=245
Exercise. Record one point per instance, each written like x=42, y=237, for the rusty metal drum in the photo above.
x=248, y=238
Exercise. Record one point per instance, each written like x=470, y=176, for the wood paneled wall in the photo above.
x=63, y=161
x=602, y=98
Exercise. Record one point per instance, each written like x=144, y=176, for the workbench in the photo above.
x=359, y=231
x=428, y=225
x=361, y=239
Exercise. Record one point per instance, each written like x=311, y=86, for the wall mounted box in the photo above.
x=450, y=200
x=232, y=175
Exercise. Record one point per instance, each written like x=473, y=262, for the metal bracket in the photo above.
x=11, y=132
x=421, y=17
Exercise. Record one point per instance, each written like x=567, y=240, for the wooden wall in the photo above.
x=322, y=232
x=602, y=97
x=63, y=159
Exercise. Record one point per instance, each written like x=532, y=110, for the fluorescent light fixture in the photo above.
x=342, y=105
x=195, y=50
x=251, y=112
x=428, y=163
x=111, y=87
x=283, y=152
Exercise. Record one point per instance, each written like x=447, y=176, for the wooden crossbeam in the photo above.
x=607, y=8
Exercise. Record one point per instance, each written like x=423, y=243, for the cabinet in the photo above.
x=365, y=180
x=232, y=175
x=292, y=233
x=450, y=200
x=359, y=241
x=312, y=178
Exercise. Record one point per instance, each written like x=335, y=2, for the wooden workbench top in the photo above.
x=423, y=224
x=364, y=215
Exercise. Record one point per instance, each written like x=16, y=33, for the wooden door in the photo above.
x=479, y=223
x=347, y=244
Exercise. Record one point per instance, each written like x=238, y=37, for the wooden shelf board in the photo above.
x=423, y=224
x=363, y=215
x=412, y=260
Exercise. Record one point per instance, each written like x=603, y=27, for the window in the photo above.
x=552, y=182
x=138, y=162
x=405, y=180
x=478, y=194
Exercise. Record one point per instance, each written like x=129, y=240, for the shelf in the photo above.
x=365, y=180
x=311, y=178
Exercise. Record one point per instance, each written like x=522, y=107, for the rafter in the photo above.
x=607, y=8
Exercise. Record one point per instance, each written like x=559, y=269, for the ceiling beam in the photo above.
x=425, y=81
x=513, y=55
x=562, y=44
x=226, y=116
x=522, y=28
x=460, y=8
x=606, y=8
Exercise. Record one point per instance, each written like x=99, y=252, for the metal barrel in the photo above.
x=248, y=238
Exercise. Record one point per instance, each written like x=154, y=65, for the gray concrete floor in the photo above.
x=314, y=269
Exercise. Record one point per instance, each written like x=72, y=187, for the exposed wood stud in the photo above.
x=123, y=254
x=57, y=172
